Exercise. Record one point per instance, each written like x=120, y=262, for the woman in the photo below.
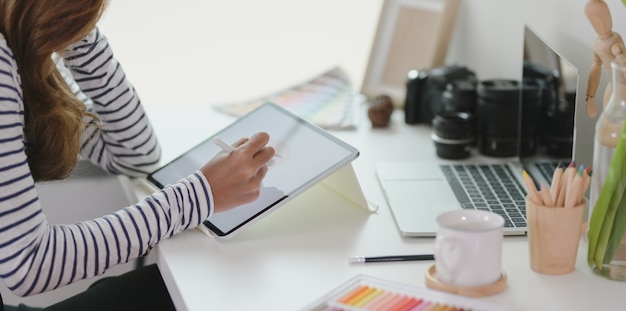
x=44, y=127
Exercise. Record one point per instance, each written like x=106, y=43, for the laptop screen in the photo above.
x=548, y=101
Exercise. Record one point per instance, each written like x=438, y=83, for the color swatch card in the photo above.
x=369, y=293
x=327, y=100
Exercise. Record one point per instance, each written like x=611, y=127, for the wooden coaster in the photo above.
x=480, y=291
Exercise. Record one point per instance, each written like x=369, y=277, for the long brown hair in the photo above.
x=34, y=30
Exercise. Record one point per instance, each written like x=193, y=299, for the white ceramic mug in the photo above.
x=468, y=248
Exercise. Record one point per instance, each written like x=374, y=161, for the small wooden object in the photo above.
x=380, y=111
x=433, y=282
x=607, y=46
x=553, y=237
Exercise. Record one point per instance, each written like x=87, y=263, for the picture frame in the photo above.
x=411, y=35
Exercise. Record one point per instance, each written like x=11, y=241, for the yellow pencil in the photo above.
x=531, y=188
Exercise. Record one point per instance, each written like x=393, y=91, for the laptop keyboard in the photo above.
x=489, y=187
x=547, y=168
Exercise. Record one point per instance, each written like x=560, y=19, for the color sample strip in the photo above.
x=371, y=298
x=327, y=100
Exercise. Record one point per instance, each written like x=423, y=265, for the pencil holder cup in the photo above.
x=553, y=237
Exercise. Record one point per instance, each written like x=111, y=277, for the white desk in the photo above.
x=298, y=254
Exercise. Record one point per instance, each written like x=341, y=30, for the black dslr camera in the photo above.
x=424, y=90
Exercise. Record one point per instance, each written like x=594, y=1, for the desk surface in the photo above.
x=298, y=254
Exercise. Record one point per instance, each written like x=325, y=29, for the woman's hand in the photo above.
x=236, y=177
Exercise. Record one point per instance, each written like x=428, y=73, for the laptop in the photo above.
x=450, y=185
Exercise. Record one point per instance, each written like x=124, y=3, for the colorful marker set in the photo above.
x=368, y=293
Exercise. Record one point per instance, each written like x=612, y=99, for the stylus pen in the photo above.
x=220, y=143
x=392, y=258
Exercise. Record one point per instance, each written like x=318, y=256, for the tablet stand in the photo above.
x=345, y=183
x=339, y=189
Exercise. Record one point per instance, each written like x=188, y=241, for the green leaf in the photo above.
x=604, y=225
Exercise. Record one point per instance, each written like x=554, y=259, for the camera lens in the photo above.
x=533, y=91
x=453, y=134
x=460, y=95
x=498, y=117
x=559, y=122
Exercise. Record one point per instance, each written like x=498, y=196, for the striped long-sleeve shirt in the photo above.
x=36, y=256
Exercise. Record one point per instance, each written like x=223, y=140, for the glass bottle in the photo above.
x=607, y=134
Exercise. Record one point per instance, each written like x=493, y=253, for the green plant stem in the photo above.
x=619, y=227
x=604, y=225
x=607, y=221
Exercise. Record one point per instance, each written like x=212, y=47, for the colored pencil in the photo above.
x=569, y=185
x=574, y=191
x=568, y=175
x=556, y=183
x=545, y=196
x=531, y=188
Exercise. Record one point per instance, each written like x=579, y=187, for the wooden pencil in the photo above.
x=574, y=191
x=531, y=188
x=584, y=184
x=556, y=183
x=566, y=179
x=545, y=195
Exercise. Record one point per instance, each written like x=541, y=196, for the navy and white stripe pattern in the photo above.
x=126, y=143
x=35, y=256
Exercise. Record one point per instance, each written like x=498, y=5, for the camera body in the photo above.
x=424, y=90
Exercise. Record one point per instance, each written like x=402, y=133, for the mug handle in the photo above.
x=446, y=254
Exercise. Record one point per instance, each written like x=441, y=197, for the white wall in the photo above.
x=225, y=50
x=220, y=51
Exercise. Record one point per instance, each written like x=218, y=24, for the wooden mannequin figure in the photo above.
x=607, y=47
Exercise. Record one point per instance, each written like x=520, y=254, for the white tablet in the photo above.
x=305, y=155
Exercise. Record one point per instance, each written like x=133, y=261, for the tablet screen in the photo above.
x=305, y=155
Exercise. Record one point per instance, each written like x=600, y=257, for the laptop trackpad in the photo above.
x=412, y=203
